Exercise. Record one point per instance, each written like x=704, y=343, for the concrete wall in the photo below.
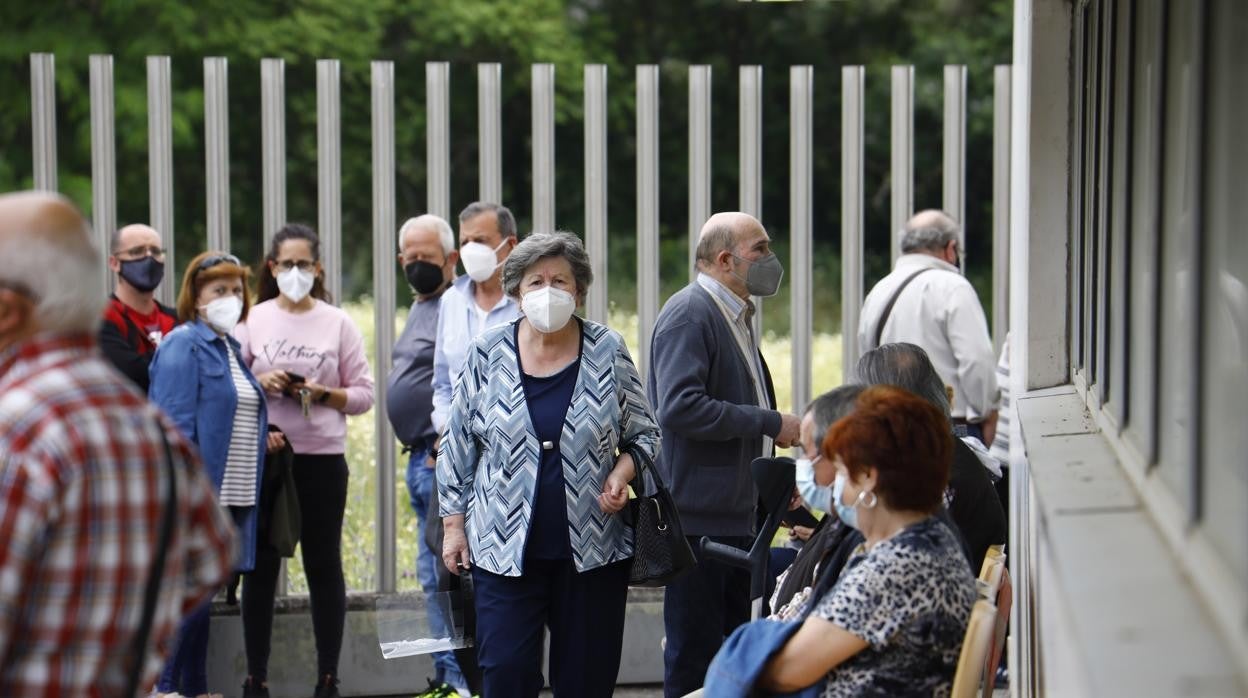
x=292, y=666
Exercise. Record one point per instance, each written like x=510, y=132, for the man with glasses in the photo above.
x=134, y=321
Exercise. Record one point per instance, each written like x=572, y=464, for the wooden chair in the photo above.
x=1005, y=597
x=976, y=647
x=989, y=582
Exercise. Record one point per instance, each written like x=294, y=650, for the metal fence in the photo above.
x=489, y=80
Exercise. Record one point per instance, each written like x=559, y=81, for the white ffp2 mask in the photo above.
x=295, y=284
x=548, y=309
x=223, y=313
x=479, y=260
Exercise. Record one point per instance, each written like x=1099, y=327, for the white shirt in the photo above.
x=459, y=322
x=939, y=312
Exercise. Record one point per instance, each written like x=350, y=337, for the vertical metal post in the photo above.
x=217, y=151
x=273, y=144
x=438, y=140
x=544, y=145
x=902, y=154
x=954, y=199
x=596, y=188
x=801, y=228
x=43, y=119
x=329, y=172
x=853, y=83
x=160, y=165
x=750, y=187
x=490, y=131
x=1000, y=204
x=383, y=291
x=647, y=210
x=699, y=156
x=103, y=158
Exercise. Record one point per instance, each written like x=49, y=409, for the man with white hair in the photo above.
x=134, y=321
x=926, y=301
x=110, y=529
x=427, y=255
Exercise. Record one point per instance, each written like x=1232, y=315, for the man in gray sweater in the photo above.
x=713, y=396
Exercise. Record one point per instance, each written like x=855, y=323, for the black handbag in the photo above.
x=661, y=553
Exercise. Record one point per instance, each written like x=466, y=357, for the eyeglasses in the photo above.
x=142, y=251
x=301, y=265
x=218, y=259
x=18, y=288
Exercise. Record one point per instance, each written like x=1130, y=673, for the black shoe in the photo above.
x=327, y=687
x=254, y=689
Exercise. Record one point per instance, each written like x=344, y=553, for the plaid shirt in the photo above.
x=83, y=488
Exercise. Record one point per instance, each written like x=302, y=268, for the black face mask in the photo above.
x=145, y=273
x=425, y=277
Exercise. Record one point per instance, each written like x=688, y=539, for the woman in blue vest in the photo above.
x=532, y=474
x=212, y=397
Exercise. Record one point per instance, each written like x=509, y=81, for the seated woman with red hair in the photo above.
x=894, y=621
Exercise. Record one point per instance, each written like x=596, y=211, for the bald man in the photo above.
x=85, y=466
x=712, y=393
x=134, y=322
x=927, y=301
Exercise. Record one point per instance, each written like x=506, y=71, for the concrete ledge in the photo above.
x=1116, y=614
x=363, y=671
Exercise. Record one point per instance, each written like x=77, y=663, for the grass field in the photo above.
x=359, y=536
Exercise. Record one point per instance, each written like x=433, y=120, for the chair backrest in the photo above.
x=1005, y=597
x=992, y=556
x=989, y=582
x=975, y=650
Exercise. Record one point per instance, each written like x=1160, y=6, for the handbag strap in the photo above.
x=888, y=309
x=152, y=591
x=644, y=463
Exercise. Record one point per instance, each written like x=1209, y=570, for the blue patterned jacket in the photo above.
x=489, y=456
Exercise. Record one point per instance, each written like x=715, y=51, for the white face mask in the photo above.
x=223, y=313
x=479, y=260
x=295, y=283
x=816, y=495
x=548, y=309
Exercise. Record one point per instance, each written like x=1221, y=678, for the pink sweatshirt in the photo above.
x=325, y=347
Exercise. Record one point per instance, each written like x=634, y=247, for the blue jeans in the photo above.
x=420, y=484
x=186, y=670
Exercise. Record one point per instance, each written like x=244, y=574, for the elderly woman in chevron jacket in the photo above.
x=533, y=472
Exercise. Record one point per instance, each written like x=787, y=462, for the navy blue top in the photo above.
x=548, y=399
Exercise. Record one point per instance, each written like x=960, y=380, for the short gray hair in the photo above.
x=539, y=246
x=928, y=230
x=437, y=224
x=715, y=238
x=506, y=221
x=907, y=366
x=63, y=280
x=828, y=408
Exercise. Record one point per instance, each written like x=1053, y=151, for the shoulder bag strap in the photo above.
x=888, y=309
x=138, y=648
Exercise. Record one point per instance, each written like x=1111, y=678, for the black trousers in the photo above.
x=700, y=609
x=585, y=614
x=321, y=482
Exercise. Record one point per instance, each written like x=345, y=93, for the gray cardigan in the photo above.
x=706, y=406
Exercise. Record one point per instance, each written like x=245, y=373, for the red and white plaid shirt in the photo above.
x=83, y=488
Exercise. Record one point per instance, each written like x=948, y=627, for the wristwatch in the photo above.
x=324, y=398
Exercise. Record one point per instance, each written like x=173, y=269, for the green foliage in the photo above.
x=568, y=33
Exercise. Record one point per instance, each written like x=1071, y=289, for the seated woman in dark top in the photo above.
x=893, y=624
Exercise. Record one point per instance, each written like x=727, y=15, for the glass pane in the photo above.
x=1178, y=280
x=1226, y=292
x=1145, y=178
x=1114, y=380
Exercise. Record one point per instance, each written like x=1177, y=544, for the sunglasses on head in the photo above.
x=219, y=259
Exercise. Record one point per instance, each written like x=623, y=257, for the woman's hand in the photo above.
x=273, y=382
x=615, y=490
x=455, y=544
x=275, y=441
x=800, y=533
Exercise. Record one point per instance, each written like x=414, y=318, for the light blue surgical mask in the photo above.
x=846, y=513
x=816, y=495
